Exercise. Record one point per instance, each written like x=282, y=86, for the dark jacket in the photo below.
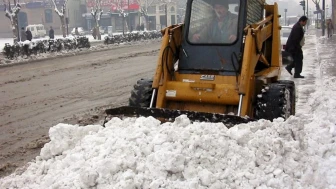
x=294, y=39
x=51, y=34
x=29, y=35
x=23, y=35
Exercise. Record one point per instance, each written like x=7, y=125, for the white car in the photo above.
x=37, y=30
x=284, y=32
x=80, y=31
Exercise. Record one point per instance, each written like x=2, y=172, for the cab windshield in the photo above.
x=213, y=22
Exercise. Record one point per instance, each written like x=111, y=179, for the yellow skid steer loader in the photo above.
x=231, y=76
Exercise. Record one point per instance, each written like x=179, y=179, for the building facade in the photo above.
x=42, y=12
x=78, y=13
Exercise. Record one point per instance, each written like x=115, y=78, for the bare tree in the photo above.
x=144, y=4
x=61, y=15
x=12, y=14
x=317, y=4
x=97, y=12
x=119, y=4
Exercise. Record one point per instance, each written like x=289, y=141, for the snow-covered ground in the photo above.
x=143, y=153
x=3, y=41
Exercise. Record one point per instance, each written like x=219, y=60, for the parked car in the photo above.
x=80, y=31
x=285, y=31
x=37, y=30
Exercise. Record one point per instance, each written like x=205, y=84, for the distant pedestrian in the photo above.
x=294, y=45
x=51, y=33
x=330, y=28
x=94, y=32
x=23, y=34
x=76, y=31
x=29, y=35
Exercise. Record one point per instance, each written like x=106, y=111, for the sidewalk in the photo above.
x=319, y=65
x=326, y=49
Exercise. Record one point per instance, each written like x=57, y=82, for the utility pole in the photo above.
x=323, y=17
x=307, y=16
x=129, y=16
x=285, y=17
x=166, y=15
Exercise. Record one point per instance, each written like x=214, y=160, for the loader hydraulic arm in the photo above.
x=262, y=45
x=167, y=57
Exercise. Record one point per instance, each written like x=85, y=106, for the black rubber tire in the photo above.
x=275, y=101
x=142, y=93
x=291, y=87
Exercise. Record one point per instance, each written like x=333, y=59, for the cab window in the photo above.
x=213, y=22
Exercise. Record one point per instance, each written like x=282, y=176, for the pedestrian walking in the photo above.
x=294, y=45
x=94, y=33
x=23, y=36
x=76, y=31
x=330, y=28
x=51, y=33
x=29, y=35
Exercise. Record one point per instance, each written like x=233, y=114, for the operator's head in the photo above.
x=303, y=20
x=221, y=7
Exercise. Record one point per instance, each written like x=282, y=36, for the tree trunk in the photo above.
x=98, y=32
x=15, y=29
x=333, y=13
x=63, y=25
x=146, y=22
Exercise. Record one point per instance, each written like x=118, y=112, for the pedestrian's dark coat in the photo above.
x=23, y=35
x=51, y=33
x=29, y=35
x=294, y=39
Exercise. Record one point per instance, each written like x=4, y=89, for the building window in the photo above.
x=48, y=16
x=151, y=10
x=172, y=10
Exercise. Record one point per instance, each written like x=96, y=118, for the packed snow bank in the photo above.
x=143, y=153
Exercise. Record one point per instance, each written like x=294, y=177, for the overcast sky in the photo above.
x=293, y=6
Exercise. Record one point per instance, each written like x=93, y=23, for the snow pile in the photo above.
x=143, y=153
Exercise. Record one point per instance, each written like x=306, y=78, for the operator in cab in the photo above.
x=221, y=28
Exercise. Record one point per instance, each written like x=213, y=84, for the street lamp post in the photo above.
x=129, y=18
x=166, y=11
x=307, y=15
x=323, y=17
x=285, y=17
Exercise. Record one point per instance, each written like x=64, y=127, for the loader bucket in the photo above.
x=170, y=115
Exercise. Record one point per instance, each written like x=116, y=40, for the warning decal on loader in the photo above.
x=170, y=93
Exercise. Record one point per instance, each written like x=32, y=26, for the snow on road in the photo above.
x=143, y=153
x=3, y=41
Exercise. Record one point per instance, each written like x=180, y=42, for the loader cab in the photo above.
x=213, y=43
